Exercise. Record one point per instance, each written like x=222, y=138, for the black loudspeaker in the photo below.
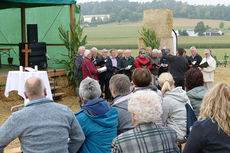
x=36, y=57
x=32, y=33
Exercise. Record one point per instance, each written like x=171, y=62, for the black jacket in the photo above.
x=101, y=62
x=110, y=69
x=125, y=63
x=197, y=59
x=78, y=67
x=178, y=65
x=95, y=60
x=206, y=137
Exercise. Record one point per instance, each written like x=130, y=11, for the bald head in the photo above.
x=34, y=87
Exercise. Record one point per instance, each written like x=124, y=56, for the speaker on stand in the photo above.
x=38, y=49
x=32, y=33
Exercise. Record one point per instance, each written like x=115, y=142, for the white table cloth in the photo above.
x=16, y=81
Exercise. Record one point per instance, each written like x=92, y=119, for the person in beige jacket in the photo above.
x=208, y=72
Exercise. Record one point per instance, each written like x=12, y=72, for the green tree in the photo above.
x=149, y=37
x=183, y=33
x=72, y=46
x=221, y=25
x=200, y=28
x=93, y=20
x=106, y=19
x=180, y=9
x=99, y=20
x=207, y=27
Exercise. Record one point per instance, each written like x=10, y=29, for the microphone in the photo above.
x=48, y=56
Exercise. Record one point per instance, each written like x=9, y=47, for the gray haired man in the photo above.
x=195, y=58
x=78, y=68
x=78, y=64
x=42, y=125
x=119, y=86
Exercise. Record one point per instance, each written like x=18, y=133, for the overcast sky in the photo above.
x=194, y=2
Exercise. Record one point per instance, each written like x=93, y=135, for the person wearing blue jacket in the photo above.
x=98, y=120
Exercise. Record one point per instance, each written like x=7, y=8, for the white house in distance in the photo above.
x=88, y=18
x=213, y=33
x=191, y=32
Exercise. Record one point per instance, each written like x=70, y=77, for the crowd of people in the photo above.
x=145, y=111
x=89, y=64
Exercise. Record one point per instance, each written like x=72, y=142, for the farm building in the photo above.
x=88, y=18
x=191, y=32
x=213, y=33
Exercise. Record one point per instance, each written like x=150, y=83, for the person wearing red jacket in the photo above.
x=88, y=68
x=141, y=61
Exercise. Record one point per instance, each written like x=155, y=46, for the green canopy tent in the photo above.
x=48, y=14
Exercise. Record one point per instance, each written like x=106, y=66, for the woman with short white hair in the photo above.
x=127, y=64
x=88, y=68
x=89, y=89
x=120, y=53
x=145, y=109
x=97, y=119
x=94, y=58
x=147, y=135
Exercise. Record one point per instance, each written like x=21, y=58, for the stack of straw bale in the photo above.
x=161, y=21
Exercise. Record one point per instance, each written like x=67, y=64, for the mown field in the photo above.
x=124, y=35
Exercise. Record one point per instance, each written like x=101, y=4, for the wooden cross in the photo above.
x=26, y=51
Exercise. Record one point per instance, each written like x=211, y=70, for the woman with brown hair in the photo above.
x=194, y=85
x=211, y=134
x=142, y=80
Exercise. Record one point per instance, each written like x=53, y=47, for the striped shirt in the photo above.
x=146, y=138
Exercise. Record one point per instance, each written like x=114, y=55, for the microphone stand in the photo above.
x=54, y=70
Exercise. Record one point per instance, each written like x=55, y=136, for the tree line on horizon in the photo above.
x=123, y=10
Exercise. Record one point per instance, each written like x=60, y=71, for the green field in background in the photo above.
x=126, y=36
x=112, y=34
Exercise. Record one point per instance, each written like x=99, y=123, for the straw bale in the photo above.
x=141, y=43
x=160, y=20
x=168, y=43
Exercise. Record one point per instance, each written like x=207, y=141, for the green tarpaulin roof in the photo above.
x=4, y=4
x=41, y=1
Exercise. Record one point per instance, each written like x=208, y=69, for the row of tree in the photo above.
x=200, y=28
x=123, y=10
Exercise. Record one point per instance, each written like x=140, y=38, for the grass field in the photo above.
x=125, y=35
x=182, y=22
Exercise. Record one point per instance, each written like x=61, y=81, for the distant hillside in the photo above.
x=133, y=11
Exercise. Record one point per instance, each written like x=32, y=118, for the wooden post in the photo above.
x=23, y=23
x=72, y=17
x=26, y=51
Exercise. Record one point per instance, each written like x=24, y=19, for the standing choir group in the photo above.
x=88, y=64
x=148, y=112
